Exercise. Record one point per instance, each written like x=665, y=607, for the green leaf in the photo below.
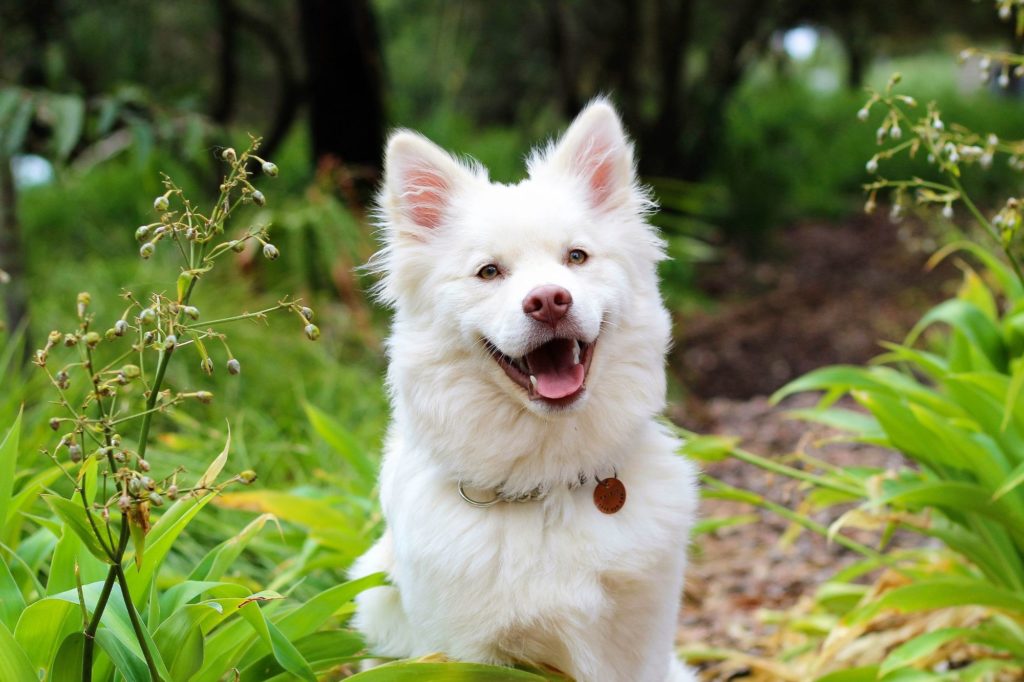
x=139, y=543
x=128, y=663
x=284, y=651
x=323, y=650
x=417, y=671
x=68, y=116
x=969, y=320
x=12, y=133
x=8, y=466
x=187, y=657
x=75, y=517
x=67, y=665
x=1015, y=478
x=863, y=674
x=216, y=466
x=925, y=595
x=339, y=438
x=1008, y=281
x=315, y=612
x=220, y=558
x=14, y=663
x=43, y=626
x=161, y=536
x=709, y=448
x=917, y=648
x=12, y=603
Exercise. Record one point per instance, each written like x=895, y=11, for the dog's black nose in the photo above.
x=548, y=304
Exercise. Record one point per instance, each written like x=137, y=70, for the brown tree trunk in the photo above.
x=12, y=259
x=346, y=94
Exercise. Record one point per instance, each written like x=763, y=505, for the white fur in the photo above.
x=552, y=581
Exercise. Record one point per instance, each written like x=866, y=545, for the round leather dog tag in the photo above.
x=610, y=495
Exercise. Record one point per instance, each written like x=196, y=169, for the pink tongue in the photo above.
x=557, y=375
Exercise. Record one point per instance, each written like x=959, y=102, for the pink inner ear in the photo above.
x=596, y=163
x=425, y=196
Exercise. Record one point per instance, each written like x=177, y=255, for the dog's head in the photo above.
x=543, y=292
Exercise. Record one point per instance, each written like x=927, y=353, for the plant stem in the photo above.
x=90, y=630
x=140, y=634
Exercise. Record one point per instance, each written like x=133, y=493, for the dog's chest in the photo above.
x=518, y=563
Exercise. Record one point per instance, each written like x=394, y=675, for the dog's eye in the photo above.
x=489, y=271
x=577, y=256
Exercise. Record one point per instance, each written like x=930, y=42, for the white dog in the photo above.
x=537, y=512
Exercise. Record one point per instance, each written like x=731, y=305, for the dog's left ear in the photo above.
x=595, y=148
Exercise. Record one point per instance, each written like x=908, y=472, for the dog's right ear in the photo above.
x=420, y=180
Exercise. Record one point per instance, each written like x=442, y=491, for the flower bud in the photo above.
x=161, y=203
x=191, y=311
x=54, y=423
x=307, y=313
x=247, y=476
x=204, y=397
x=155, y=499
x=120, y=327
x=92, y=339
x=1004, y=79
x=75, y=452
x=131, y=371
x=53, y=338
x=142, y=233
x=872, y=165
x=895, y=132
x=146, y=250
x=1004, y=12
x=228, y=155
x=207, y=366
x=172, y=491
x=63, y=380
x=234, y=366
x=147, y=316
x=947, y=211
x=258, y=198
x=83, y=301
x=312, y=332
x=170, y=341
x=124, y=503
x=143, y=465
x=147, y=482
x=238, y=245
x=70, y=340
x=270, y=169
x=938, y=124
x=270, y=252
x=863, y=114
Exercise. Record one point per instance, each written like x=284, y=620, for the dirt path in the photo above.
x=840, y=290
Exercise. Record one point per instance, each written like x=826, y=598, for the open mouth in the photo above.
x=554, y=372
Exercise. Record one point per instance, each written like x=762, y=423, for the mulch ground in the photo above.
x=832, y=293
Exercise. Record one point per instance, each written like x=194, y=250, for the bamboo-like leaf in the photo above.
x=917, y=648
x=75, y=518
x=14, y=663
x=709, y=448
x=339, y=438
x=128, y=662
x=43, y=626
x=220, y=558
x=67, y=665
x=323, y=650
x=68, y=112
x=12, y=603
x=8, y=466
x=216, y=466
x=284, y=651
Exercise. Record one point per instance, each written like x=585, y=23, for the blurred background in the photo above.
x=744, y=116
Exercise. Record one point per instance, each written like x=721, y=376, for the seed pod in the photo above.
x=872, y=165
x=124, y=503
x=172, y=491
x=146, y=250
x=132, y=371
x=270, y=169
x=53, y=338
x=307, y=313
x=258, y=198
x=270, y=252
x=312, y=332
x=191, y=311
x=947, y=211
x=142, y=233
x=161, y=203
x=170, y=341
x=234, y=366
x=147, y=482
x=143, y=465
x=207, y=366
x=134, y=486
x=75, y=452
x=120, y=327
x=204, y=397
x=54, y=423
x=84, y=299
x=147, y=338
x=147, y=316
x=92, y=339
x=191, y=234
x=247, y=476
x=155, y=499
x=120, y=457
x=70, y=340
x=863, y=114
x=238, y=245
x=115, y=440
x=228, y=155
x=895, y=132
x=63, y=381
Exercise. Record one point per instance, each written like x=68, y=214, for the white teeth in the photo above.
x=533, y=382
x=575, y=352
